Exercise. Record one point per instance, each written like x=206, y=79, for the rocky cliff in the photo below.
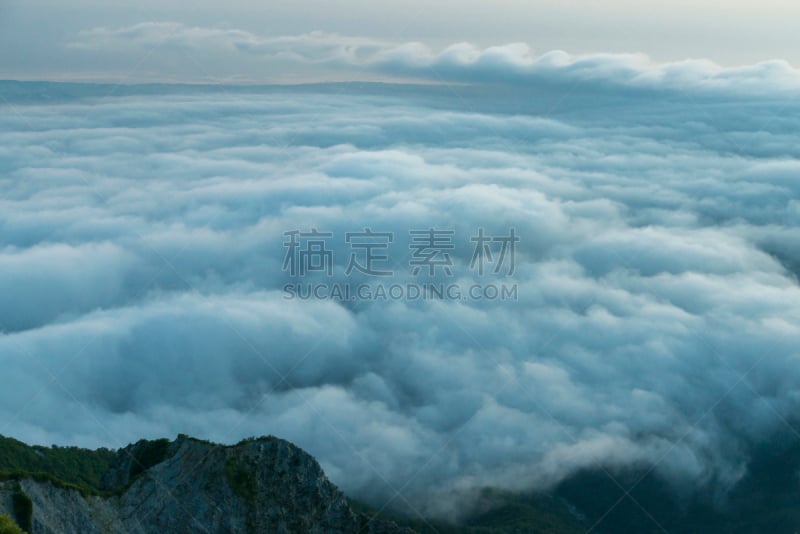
x=264, y=485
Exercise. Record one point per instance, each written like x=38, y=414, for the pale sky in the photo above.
x=37, y=37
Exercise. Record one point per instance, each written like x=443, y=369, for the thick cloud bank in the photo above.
x=171, y=46
x=658, y=311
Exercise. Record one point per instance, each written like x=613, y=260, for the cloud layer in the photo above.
x=658, y=310
x=514, y=63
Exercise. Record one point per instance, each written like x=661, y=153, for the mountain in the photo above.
x=269, y=485
x=187, y=485
x=190, y=485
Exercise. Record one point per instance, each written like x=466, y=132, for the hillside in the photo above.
x=258, y=485
x=269, y=485
x=71, y=465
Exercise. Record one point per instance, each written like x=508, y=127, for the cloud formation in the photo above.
x=514, y=63
x=658, y=306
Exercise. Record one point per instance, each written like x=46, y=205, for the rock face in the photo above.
x=264, y=485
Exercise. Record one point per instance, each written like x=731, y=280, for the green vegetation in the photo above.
x=146, y=454
x=509, y=514
x=23, y=508
x=47, y=477
x=241, y=479
x=8, y=526
x=198, y=440
x=72, y=466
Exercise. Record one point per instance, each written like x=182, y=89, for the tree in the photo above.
x=7, y=525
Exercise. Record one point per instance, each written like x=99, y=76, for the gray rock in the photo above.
x=264, y=485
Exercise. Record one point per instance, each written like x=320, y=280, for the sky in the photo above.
x=47, y=39
x=143, y=235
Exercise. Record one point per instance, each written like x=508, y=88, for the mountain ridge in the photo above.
x=261, y=484
x=267, y=484
x=258, y=485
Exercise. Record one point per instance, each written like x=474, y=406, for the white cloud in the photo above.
x=514, y=63
x=142, y=252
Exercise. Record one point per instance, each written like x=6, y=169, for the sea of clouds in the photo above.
x=658, y=313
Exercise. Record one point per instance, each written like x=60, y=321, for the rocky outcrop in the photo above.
x=264, y=485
